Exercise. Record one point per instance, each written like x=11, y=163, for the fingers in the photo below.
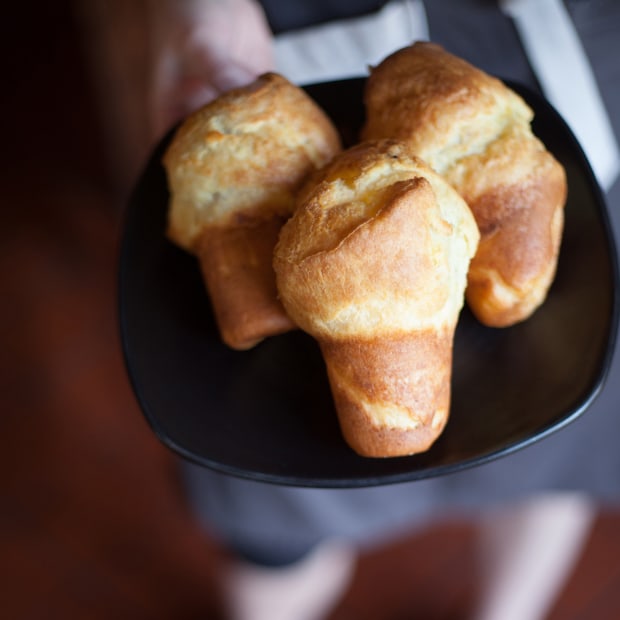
x=188, y=93
x=225, y=44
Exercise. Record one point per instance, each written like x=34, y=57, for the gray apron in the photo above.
x=276, y=524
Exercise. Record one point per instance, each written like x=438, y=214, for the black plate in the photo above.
x=267, y=414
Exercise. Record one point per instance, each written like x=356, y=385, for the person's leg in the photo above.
x=288, y=556
x=528, y=552
x=308, y=589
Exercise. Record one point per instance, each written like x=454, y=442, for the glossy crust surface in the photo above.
x=242, y=157
x=475, y=131
x=373, y=264
x=233, y=168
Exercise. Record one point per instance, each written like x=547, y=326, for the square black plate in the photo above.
x=267, y=414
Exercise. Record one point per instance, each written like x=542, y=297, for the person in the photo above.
x=297, y=546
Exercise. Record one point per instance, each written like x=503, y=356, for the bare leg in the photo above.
x=306, y=590
x=528, y=552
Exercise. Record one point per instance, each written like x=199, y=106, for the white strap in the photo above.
x=562, y=68
x=345, y=48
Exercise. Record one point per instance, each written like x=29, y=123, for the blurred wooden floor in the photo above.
x=92, y=521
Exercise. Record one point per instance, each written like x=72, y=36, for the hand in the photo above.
x=202, y=48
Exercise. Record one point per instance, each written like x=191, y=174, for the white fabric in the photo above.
x=345, y=48
x=562, y=68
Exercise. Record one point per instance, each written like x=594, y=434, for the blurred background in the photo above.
x=93, y=523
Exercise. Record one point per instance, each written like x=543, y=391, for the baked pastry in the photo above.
x=475, y=131
x=373, y=265
x=233, y=169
